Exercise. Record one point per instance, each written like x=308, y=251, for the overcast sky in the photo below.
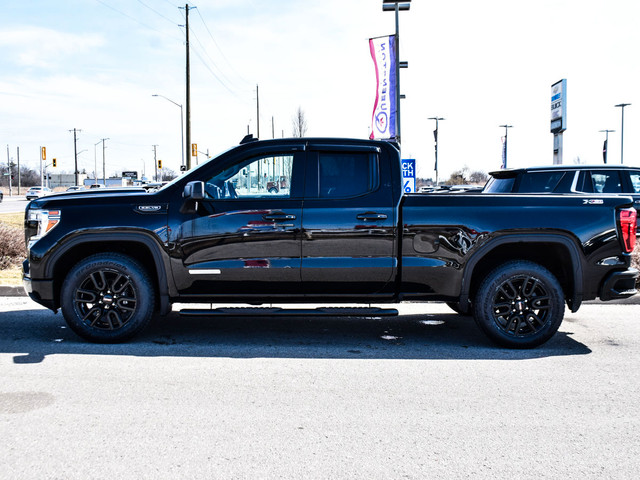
x=95, y=64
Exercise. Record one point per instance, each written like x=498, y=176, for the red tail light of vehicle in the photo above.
x=628, y=226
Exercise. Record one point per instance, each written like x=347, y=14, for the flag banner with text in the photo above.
x=383, y=120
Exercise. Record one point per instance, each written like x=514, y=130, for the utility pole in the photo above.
x=104, y=164
x=273, y=131
x=9, y=172
x=622, y=105
x=188, y=89
x=75, y=151
x=18, y=156
x=155, y=162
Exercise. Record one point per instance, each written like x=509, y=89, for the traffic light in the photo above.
x=194, y=149
x=160, y=164
x=43, y=153
x=55, y=163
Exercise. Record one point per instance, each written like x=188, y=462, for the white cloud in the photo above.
x=33, y=46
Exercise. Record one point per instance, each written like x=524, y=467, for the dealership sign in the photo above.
x=559, y=106
x=383, y=120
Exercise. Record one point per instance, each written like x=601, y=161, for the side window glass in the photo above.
x=606, y=181
x=635, y=181
x=347, y=174
x=265, y=176
x=540, y=182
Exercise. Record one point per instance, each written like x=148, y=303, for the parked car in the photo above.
x=97, y=185
x=75, y=188
x=1, y=195
x=37, y=192
x=344, y=232
x=585, y=179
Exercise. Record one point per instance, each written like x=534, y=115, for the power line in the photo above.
x=219, y=49
x=133, y=19
x=156, y=12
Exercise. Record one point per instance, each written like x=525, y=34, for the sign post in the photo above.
x=409, y=175
x=558, y=117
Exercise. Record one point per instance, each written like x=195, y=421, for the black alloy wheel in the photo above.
x=520, y=305
x=107, y=298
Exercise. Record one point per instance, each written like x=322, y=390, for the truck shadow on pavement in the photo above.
x=32, y=335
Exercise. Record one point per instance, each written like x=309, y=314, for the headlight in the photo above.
x=41, y=222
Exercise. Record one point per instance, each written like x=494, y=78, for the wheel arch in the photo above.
x=136, y=245
x=557, y=253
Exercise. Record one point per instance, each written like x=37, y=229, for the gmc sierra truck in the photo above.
x=323, y=221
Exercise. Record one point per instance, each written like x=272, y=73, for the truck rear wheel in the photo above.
x=519, y=305
x=107, y=298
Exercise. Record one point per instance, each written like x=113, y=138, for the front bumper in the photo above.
x=619, y=285
x=40, y=291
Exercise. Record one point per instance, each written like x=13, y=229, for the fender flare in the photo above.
x=573, y=302
x=159, y=258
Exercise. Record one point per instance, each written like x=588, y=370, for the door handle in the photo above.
x=371, y=216
x=279, y=217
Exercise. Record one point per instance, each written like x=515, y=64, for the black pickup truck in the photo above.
x=323, y=221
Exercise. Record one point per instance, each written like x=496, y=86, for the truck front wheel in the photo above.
x=519, y=305
x=107, y=298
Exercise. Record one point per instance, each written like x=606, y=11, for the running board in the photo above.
x=290, y=312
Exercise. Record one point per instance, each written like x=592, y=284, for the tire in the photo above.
x=519, y=305
x=107, y=298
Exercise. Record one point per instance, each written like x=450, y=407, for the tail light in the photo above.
x=628, y=226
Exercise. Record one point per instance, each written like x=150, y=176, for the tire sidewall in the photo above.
x=145, y=297
x=488, y=290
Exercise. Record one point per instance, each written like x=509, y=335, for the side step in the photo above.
x=290, y=312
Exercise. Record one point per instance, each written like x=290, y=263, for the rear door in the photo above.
x=348, y=223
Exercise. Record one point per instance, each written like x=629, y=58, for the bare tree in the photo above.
x=299, y=123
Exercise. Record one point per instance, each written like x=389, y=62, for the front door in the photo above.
x=244, y=239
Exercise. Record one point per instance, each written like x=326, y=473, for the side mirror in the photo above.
x=193, y=191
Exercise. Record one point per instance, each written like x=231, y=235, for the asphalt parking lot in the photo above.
x=420, y=396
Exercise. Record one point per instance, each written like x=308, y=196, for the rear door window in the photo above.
x=606, y=181
x=347, y=174
x=540, y=182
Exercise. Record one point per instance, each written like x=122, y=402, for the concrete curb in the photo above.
x=12, y=291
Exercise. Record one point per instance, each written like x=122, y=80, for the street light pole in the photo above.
x=622, y=105
x=95, y=161
x=104, y=163
x=435, y=134
x=504, y=149
x=605, y=150
x=181, y=123
x=396, y=6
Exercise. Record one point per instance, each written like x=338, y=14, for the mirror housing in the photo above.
x=193, y=191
